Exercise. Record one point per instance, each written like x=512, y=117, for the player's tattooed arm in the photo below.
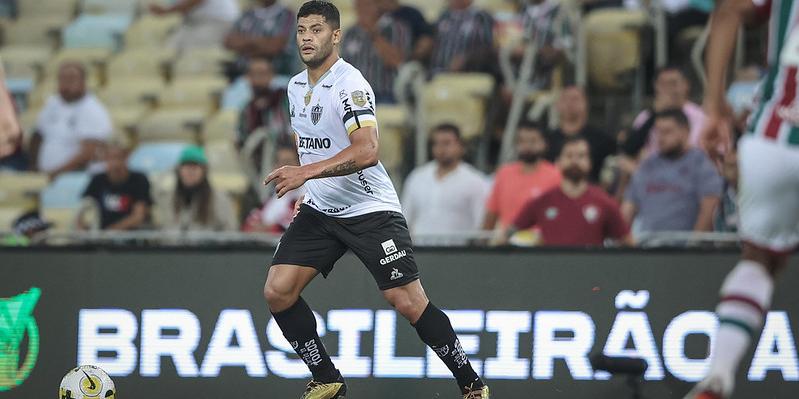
x=342, y=168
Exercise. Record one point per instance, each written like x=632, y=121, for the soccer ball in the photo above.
x=87, y=382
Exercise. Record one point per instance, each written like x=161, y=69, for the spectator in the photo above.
x=545, y=24
x=572, y=107
x=464, y=39
x=266, y=30
x=205, y=22
x=446, y=195
x=576, y=213
x=422, y=33
x=672, y=89
x=121, y=196
x=519, y=182
x=268, y=108
x=11, y=155
x=679, y=188
x=377, y=45
x=194, y=205
x=71, y=127
x=276, y=213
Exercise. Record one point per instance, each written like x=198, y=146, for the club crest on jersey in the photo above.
x=358, y=98
x=316, y=113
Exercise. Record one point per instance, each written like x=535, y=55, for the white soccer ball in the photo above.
x=87, y=382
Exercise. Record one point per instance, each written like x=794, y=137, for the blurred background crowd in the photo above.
x=538, y=122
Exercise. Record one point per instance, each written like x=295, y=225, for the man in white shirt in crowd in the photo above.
x=446, y=195
x=71, y=126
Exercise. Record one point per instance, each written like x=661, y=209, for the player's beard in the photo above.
x=321, y=55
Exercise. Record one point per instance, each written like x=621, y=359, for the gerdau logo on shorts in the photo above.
x=391, y=250
x=16, y=319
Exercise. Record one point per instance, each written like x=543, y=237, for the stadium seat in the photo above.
x=122, y=92
x=392, y=120
x=474, y=84
x=152, y=158
x=148, y=63
x=170, y=125
x=150, y=31
x=17, y=188
x=221, y=127
x=90, y=57
x=63, y=219
x=96, y=31
x=38, y=31
x=614, y=49
x=497, y=6
x=200, y=62
x=222, y=157
x=192, y=93
x=64, y=8
x=65, y=191
x=116, y=7
x=459, y=99
x=23, y=61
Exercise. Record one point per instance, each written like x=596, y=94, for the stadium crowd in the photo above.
x=577, y=178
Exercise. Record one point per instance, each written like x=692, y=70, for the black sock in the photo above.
x=299, y=327
x=435, y=330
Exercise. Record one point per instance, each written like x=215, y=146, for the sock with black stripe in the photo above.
x=745, y=299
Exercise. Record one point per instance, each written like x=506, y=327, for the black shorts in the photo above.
x=381, y=241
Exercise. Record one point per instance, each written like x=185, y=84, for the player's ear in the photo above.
x=337, y=36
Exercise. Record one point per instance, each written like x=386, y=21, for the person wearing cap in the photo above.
x=194, y=205
x=119, y=195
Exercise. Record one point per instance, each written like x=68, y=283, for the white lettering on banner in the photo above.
x=234, y=323
x=674, y=358
x=109, y=338
x=179, y=347
x=462, y=321
x=92, y=342
x=776, y=350
x=386, y=363
x=548, y=346
x=350, y=324
x=508, y=326
x=283, y=362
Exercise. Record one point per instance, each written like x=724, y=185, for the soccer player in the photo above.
x=768, y=157
x=350, y=204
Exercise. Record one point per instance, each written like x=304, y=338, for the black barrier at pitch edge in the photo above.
x=163, y=323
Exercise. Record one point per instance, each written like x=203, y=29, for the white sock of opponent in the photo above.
x=745, y=299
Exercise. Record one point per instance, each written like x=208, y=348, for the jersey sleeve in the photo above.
x=355, y=104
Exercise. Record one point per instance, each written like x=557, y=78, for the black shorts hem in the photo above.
x=398, y=283
x=290, y=263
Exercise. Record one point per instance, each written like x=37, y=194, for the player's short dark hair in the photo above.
x=448, y=128
x=574, y=140
x=323, y=8
x=675, y=114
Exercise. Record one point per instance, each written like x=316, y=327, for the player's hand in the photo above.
x=286, y=178
x=716, y=134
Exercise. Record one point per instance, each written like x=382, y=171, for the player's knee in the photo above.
x=404, y=305
x=278, y=298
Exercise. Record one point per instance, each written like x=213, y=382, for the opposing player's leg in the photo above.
x=381, y=240
x=305, y=250
x=769, y=216
x=435, y=330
